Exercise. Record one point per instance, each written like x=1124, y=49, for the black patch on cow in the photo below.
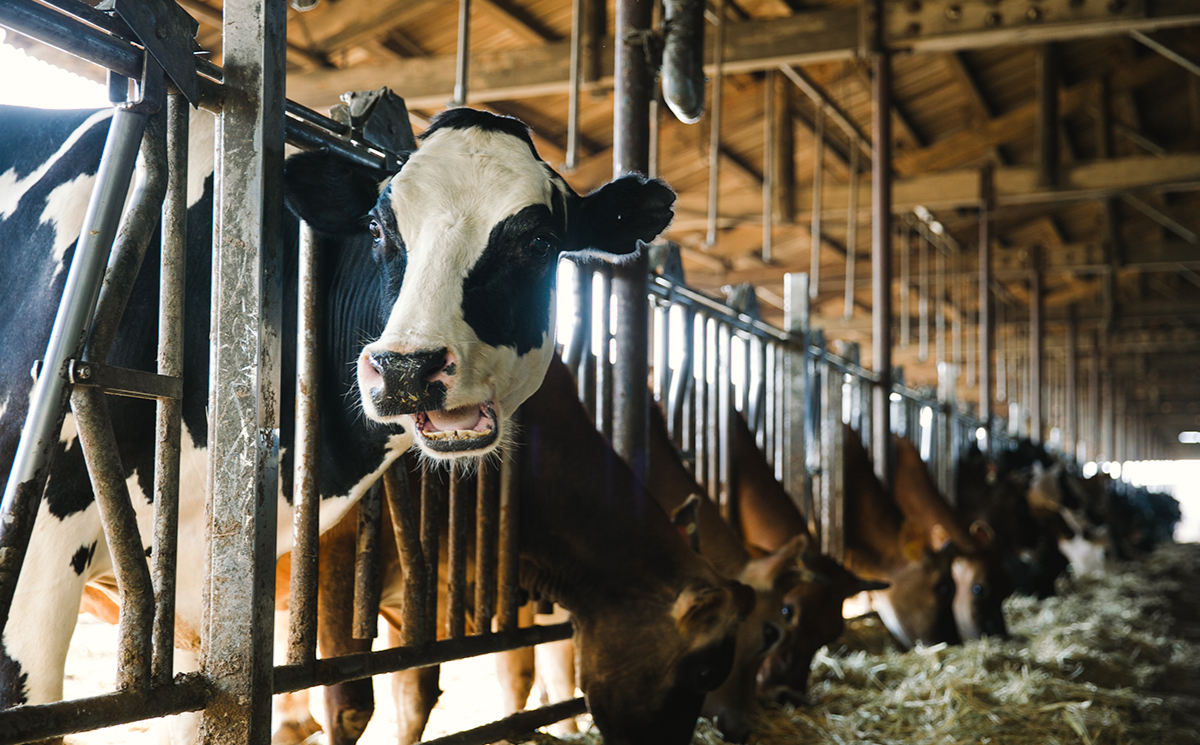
x=506, y=295
x=12, y=693
x=617, y=216
x=332, y=195
x=83, y=558
x=486, y=121
x=32, y=135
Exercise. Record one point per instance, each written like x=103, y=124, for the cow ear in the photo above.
x=686, y=519
x=982, y=533
x=939, y=537
x=328, y=193
x=615, y=218
x=768, y=573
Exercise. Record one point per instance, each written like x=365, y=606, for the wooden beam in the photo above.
x=518, y=20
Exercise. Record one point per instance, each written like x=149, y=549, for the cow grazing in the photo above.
x=445, y=269
x=883, y=545
x=981, y=585
x=655, y=625
x=812, y=609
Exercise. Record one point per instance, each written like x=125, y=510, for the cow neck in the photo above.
x=590, y=537
x=671, y=484
x=768, y=516
x=919, y=499
x=873, y=521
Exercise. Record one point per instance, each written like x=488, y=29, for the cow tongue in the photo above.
x=463, y=418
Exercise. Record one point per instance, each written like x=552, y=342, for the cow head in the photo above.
x=466, y=238
x=918, y=607
x=981, y=585
x=812, y=613
x=647, y=688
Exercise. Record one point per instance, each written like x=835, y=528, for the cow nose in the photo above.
x=732, y=728
x=407, y=381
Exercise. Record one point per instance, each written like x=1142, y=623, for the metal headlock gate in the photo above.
x=237, y=676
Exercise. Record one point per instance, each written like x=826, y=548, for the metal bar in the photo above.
x=432, y=496
x=923, y=297
x=487, y=509
x=768, y=185
x=69, y=35
x=168, y=415
x=818, y=370
x=956, y=302
x=36, y=722
x=1161, y=218
x=818, y=178
x=1036, y=346
x=360, y=665
x=1094, y=440
x=662, y=348
x=939, y=305
x=796, y=384
x=682, y=382
x=121, y=381
x=746, y=381
x=508, y=564
x=905, y=284
x=852, y=235
x=306, y=498
x=832, y=473
x=604, y=365
x=417, y=575
x=703, y=409
x=456, y=590
x=1047, y=115
x=1167, y=52
x=712, y=453
x=576, y=74
x=969, y=309
x=581, y=333
x=463, y=59
x=511, y=727
x=714, y=136
x=1071, y=400
x=243, y=447
x=48, y=399
x=367, y=559
x=725, y=415
x=881, y=264
x=986, y=203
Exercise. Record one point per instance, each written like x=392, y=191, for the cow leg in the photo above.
x=515, y=669
x=556, y=673
x=416, y=692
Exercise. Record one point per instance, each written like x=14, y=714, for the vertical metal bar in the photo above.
x=1071, y=393
x=1120, y=424
x=682, y=382
x=986, y=199
x=432, y=493
x=939, y=304
x=1107, y=426
x=716, y=366
x=714, y=137
x=604, y=365
x=1094, y=423
x=243, y=447
x=748, y=380
x=725, y=415
x=794, y=405
x=956, y=304
x=1002, y=343
x=662, y=352
x=923, y=296
x=703, y=410
x=818, y=181
x=367, y=560
x=881, y=263
x=852, y=234
x=969, y=310
x=168, y=414
x=1036, y=345
x=507, y=567
x=48, y=399
x=406, y=529
x=768, y=185
x=456, y=591
x=463, y=58
x=817, y=372
x=581, y=330
x=487, y=509
x=905, y=285
x=302, y=631
x=572, y=159
x=832, y=474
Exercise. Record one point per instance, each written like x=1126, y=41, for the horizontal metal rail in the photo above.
x=511, y=727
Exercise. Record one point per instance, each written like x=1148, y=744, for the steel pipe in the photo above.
x=768, y=186
x=487, y=508
x=508, y=564
x=368, y=585
x=881, y=261
x=683, y=58
x=818, y=179
x=851, y=236
x=406, y=531
x=574, y=89
x=986, y=204
x=433, y=495
x=714, y=137
x=456, y=585
x=463, y=58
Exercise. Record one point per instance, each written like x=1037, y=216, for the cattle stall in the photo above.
x=979, y=347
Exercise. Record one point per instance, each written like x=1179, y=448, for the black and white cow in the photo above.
x=446, y=269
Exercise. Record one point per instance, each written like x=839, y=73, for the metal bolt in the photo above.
x=160, y=32
x=953, y=12
x=913, y=29
x=83, y=372
x=991, y=19
x=1034, y=14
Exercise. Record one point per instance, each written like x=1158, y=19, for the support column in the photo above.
x=986, y=199
x=881, y=264
x=631, y=153
x=1036, y=345
x=1071, y=410
x=243, y=447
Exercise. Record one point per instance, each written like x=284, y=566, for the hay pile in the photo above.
x=1107, y=661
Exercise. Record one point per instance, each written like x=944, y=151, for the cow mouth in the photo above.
x=458, y=430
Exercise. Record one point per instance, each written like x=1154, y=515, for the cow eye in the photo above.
x=541, y=245
x=376, y=230
x=979, y=590
x=789, y=612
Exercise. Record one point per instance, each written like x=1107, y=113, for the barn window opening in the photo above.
x=28, y=81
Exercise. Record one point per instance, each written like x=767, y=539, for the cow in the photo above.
x=655, y=625
x=882, y=544
x=445, y=269
x=980, y=582
x=812, y=609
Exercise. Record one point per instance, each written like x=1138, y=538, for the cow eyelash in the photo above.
x=542, y=243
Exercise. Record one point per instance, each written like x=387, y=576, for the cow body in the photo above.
x=44, y=180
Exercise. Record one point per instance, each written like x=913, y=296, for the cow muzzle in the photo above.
x=417, y=384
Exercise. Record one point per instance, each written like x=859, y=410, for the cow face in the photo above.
x=812, y=613
x=466, y=237
x=981, y=585
x=680, y=656
x=918, y=607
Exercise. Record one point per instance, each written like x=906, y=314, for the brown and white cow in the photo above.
x=980, y=582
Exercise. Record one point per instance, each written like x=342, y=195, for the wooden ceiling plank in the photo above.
x=518, y=20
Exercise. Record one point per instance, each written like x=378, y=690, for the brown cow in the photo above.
x=881, y=544
x=813, y=610
x=981, y=585
x=655, y=624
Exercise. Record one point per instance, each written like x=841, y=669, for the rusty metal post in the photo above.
x=243, y=449
x=463, y=58
x=881, y=261
x=818, y=181
x=1093, y=441
x=432, y=496
x=487, y=508
x=407, y=533
x=768, y=186
x=1037, y=344
x=714, y=135
x=986, y=200
x=795, y=391
x=456, y=590
x=168, y=414
x=508, y=565
x=1071, y=400
x=631, y=154
x=905, y=285
x=367, y=559
x=832, y=460
x=923, y=296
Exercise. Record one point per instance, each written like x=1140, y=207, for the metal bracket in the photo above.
x=666, y=261
x=162, y=27
x=379, y=118
x=743, y=299
x=119, y=381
